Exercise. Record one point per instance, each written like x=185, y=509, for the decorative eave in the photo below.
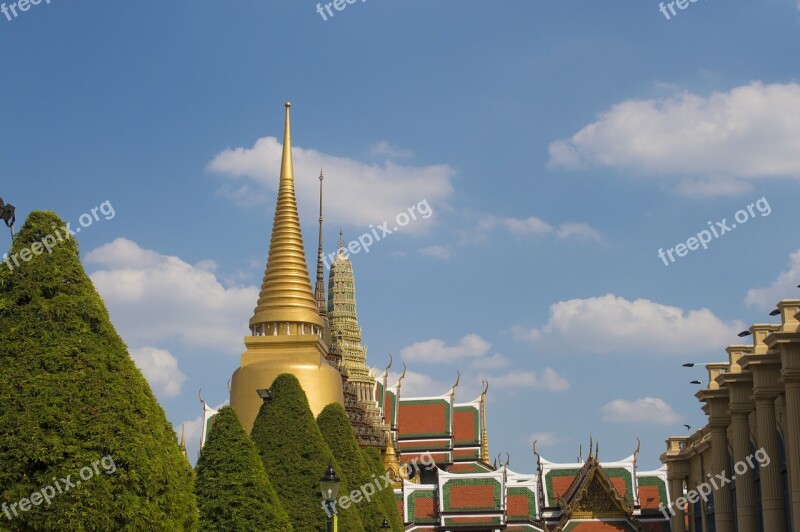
x=571, y=502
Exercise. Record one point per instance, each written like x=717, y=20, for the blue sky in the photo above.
x=558, y=147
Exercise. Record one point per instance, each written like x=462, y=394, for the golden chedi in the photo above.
x=286, y=328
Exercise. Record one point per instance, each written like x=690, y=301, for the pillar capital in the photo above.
x=766, y=371
x=735, y=353
x=790, y=376
x=717, y=405
x=740, y=390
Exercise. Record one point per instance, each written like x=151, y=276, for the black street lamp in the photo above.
x=329, y=487
x=385, y=525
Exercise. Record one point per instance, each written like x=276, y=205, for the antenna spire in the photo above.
x=319, y=291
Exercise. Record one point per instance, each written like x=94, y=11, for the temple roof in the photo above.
x=557, y=478
x=592, y=495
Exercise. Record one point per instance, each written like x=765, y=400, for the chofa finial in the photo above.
x=458, y=380
x=538, y=456
x=402, y=376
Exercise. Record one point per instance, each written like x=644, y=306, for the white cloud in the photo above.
x=611, y=324
x=742, y=134
x=160, y=369
x=245, y=195
x=579, y=230
x=493, y=362
x=529, y=226
x=545, y=439
x=713, y=187
x=438, y=252
x=783, y=287
x=648, y=410
x=153, y=297
x=391, y=188
x=435, y=351
x=549, y=380
x=533, y=226
x=384, y=149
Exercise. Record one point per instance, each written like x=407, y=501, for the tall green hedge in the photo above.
x=71, y=395
x=233, y=491
x=385, y=497
x=296, y=456
x=358, y=474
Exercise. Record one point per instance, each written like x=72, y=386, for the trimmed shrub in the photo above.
x=385, y=497
x=341, y=439
x=233, y=491
x=74, y=405
x=296, y=456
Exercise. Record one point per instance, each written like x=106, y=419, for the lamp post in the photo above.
x=693, y=364
x=329, y=487
x=7, y=215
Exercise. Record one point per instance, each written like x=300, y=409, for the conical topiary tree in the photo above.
x=386, y=496
x=296, y=456
x=339, y=435
x=79, y=425
x=233, y=491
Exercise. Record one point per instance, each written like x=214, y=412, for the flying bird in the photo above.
x=688, y=427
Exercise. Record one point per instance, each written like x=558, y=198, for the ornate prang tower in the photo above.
x=359, y=383
x=286, y=328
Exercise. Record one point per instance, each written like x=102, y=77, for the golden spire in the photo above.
x=319, y=292
x=484, y=432
x=286, y=295
x=391, y=464
x=182, y=445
